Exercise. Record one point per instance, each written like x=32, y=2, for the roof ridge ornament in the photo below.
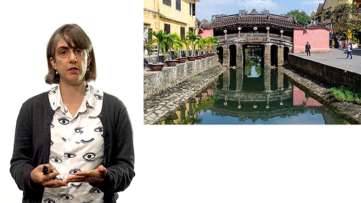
x=242, y=13
x=254, y=11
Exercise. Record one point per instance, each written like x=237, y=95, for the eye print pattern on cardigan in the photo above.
x=51, y=143
x=63, y=139
x=69, y=155
x=74, y=170
x=86, y=103
x=76, y=185
x=55, y=159
x=51, y=125
x=89, y=157
x=93, y=117
x=49, y=200
x=98, y=129
x=79, y=130
x=63, y=121
x=87, y=141
x=98, y=97
x=87, y=201
x=66, y=196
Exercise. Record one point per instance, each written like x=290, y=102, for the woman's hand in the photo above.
x=90, y=176
x=38, y=177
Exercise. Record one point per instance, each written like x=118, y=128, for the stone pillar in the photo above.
x=226, y=79
x=239, y=55
x=267, y=79
x=280, y=76
x=239, y=78
x=280, y=55
x=267, y=34
x=267, y=56
x=226, y=55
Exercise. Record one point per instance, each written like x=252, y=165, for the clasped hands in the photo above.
x=90, y=176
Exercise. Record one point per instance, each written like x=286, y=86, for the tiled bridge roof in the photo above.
x=255, y=19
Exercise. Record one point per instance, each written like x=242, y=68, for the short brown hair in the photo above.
x=72, y=34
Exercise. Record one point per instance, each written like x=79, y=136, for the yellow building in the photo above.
x=171, y=16
x=324, y=10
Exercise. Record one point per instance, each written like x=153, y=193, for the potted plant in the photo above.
x=210, y=41
x=167, y=48
x=160, y=40
x=176, y=46
x=201, y=44
x=186, y=43
x=192, y=38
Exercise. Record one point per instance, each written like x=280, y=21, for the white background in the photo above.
x=251, y=164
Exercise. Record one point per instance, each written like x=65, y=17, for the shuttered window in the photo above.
x=150, y=36
x=194, y=9
x=167, y=28
x=178, y=5
x=190, y=8
x=167, y=2
x=183, y=32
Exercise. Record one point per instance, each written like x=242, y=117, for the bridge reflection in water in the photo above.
x=253, y=94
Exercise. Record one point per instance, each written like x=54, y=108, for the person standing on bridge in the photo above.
x=308, y=49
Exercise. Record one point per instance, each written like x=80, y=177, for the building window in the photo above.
x=178, y=5
x=167, y=2
x=167, y=28
x=190, y=8
x=182, y=32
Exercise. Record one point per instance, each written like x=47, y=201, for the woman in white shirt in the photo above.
x=82, y=134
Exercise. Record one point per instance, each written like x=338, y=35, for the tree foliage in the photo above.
x=345, y=18
x=301, y=16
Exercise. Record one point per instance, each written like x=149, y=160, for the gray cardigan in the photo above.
x=32, y=146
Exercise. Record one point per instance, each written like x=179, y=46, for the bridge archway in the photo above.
x=285, y=55
x=274, y=55
x=233, y=55
x=220, y=54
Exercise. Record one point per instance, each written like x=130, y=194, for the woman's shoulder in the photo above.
x=37, y=99
x=112, y=102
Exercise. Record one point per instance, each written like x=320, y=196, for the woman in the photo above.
x=83, y=135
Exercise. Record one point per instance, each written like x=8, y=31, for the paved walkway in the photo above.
x=338, y=59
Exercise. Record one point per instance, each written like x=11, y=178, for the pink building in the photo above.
x=206, y=32
x=317, y=37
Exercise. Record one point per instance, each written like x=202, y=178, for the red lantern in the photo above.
x=255, y=28
x=225, y=31
x=281, y=31
x=267, y=28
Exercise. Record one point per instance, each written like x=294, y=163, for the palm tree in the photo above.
x=192, y=38
x=176, y=43
x=161, y=38
x=201, y=43
x=186, y=43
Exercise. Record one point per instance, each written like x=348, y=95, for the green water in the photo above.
x=253, y=95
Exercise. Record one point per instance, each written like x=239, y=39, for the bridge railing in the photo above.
x=255, y=36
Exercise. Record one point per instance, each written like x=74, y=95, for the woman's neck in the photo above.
x=72, y=94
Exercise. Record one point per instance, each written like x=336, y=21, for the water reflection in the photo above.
x=253, y=95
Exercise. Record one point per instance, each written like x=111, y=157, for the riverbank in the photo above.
x=319, y=90
x=160, y=106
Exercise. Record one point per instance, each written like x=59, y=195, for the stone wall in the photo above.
x=326, y=73
x=157, y=81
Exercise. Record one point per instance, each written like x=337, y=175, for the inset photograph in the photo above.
x=250, y=67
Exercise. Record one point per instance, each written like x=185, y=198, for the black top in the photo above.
x=308, y=46
x=32, y=146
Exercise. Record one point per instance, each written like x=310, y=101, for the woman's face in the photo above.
x=70, y=62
